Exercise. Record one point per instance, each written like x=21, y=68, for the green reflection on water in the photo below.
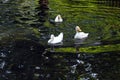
x=102, y=22
x=92, y=49
x=19, y=20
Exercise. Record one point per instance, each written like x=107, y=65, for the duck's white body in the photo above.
x=79, y=34
x=58, y=18
x=57, y=39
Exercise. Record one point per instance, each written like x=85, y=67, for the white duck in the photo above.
x=55, y=40
x=79, y=34
x=58, y=18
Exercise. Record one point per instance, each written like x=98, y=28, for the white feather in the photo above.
x=79, y=34
x=58, y=18
x=57, y=39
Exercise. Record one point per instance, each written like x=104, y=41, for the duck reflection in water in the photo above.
x=55, y=41
x=79, y=37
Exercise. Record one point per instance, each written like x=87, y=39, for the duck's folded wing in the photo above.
x=60, y=36
x=81, y=35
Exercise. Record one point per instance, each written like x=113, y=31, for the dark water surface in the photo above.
x=25, y=27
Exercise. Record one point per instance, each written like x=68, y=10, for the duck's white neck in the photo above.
x=78, y=31
x=50, y=40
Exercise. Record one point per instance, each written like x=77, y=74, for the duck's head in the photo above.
x=52, y=36
x=59, y=16
x=77, y=28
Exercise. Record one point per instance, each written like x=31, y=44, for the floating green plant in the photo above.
x=91, y=49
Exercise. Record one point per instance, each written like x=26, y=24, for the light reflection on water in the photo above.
x=23, y=60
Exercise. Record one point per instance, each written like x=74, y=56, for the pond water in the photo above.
x=26, y=26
